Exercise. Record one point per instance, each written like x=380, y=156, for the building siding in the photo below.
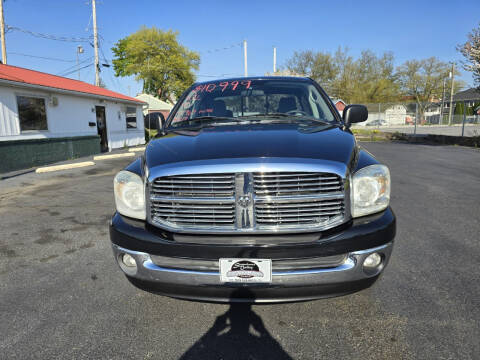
x=69, y=133
x=23, y=154
x=70, y=118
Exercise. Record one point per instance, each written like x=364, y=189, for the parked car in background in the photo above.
x=255, y=190
x=377, y=122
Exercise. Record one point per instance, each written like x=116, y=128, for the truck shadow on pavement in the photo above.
x=239, y=333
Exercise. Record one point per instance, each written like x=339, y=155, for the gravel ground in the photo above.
x=63, y=297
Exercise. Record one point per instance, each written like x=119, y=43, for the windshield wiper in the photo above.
x=266, y=115
x=209, y=117
x=202, y=121
x=284, y=115
x=215, y=119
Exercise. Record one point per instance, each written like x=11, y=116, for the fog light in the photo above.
x=372, y=261
x=129, y=261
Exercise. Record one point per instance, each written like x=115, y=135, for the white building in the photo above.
x=154, y=104
x=46, y=118
x=396, y=115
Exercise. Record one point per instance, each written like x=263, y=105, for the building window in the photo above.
x=131, y=117
x=32, y=113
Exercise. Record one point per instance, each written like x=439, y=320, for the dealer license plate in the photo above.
x=245, y=270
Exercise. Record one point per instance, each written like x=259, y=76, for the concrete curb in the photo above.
x=140, y=148
x=64, y=167
x=113, y=156
x=16, y=173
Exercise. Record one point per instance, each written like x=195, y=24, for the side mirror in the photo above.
x=154, y=121
x=354, y=114
x=161, y=122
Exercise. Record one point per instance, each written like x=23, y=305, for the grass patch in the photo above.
x=371, y=135
x=366, y=132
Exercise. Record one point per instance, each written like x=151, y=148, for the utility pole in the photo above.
x=2, y=31
x=95, y=43
x=245, y=57
x=274, y=60
x=450, y=109
x=440, y=119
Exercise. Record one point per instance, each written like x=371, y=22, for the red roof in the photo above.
x=22, y=75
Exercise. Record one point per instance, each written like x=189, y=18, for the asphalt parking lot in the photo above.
x=63, y=297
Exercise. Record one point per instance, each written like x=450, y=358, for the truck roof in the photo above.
x=243, y=78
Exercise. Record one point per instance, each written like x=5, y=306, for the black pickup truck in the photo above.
x=254, y=190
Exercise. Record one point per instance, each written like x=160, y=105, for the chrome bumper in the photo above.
x=349, y=271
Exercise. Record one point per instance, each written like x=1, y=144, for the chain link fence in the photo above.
x=463, y=119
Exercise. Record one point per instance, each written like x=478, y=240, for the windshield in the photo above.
x=238, y=100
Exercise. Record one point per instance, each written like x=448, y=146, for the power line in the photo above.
x=48, y=36
x=40, y=57
x=88, y=72
x=221, y=49
x=103, y=54
x=211, y=51
x=75, y=70
x=75, y=67
x=113, y=79
x=104, y=40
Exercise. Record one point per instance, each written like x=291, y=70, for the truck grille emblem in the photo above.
x=244, y=201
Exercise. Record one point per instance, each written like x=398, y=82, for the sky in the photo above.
x=410, y=29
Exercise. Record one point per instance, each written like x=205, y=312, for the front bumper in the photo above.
x=356, y=240
x=293, y=285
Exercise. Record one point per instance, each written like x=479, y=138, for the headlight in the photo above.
x=129, y=194
x=370, y=190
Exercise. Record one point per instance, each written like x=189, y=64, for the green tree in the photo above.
x=459, y=108
x=471, y=51
x=158, y=59
x=375, y=80
x=317, y=65
x=422, y=80
x=366, y=79
x=471, y=109
x=344, y=85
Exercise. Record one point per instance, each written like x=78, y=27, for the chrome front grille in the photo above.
x=300, y=212
x=179, y=213
x=260, y=202
x=203, y=185
x=281, y=183
x=194, y=201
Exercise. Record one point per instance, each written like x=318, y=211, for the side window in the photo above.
x=187, y=108
x=320, y=108
x=32, y=113
x=131, y=117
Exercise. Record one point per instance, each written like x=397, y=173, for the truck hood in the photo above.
x=253, y=141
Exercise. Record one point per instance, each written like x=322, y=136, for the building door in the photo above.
x=102, y=127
